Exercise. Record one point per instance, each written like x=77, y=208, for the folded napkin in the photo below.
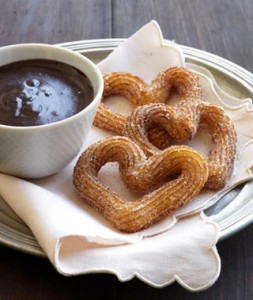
x=78, y=240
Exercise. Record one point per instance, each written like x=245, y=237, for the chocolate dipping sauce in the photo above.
x=39, y=91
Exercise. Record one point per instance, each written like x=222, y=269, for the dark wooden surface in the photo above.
x=221, y=27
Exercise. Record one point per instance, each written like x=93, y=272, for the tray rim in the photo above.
x=243, y=76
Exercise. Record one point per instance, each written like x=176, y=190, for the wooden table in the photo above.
x=221, y=27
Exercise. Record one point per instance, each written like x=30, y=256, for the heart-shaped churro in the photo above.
x=182, y=168
x=138, y=92
x=197, y=114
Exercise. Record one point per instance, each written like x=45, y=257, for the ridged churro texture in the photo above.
x=180, y=124
x=183, y=81
x=183, y=170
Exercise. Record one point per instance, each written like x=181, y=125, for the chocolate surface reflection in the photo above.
x=36, y=92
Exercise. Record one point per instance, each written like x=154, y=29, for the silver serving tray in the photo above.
x=232, y=212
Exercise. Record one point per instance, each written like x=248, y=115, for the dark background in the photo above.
x=221, y=27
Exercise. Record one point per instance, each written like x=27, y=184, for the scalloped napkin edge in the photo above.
x=186, y=254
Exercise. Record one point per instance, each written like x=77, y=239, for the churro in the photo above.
x=183, y=170
x=180, y=124
x=177, y=79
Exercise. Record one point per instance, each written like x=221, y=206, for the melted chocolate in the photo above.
x=36, y=92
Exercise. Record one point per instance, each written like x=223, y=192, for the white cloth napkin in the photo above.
x=78, y=240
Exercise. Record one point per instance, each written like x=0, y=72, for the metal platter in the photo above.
x=232, y=212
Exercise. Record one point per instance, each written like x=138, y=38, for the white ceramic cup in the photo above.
x=43, y=150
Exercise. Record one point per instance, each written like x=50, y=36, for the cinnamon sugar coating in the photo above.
x=138, y=92
x=183, y=170
x=180, y=124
